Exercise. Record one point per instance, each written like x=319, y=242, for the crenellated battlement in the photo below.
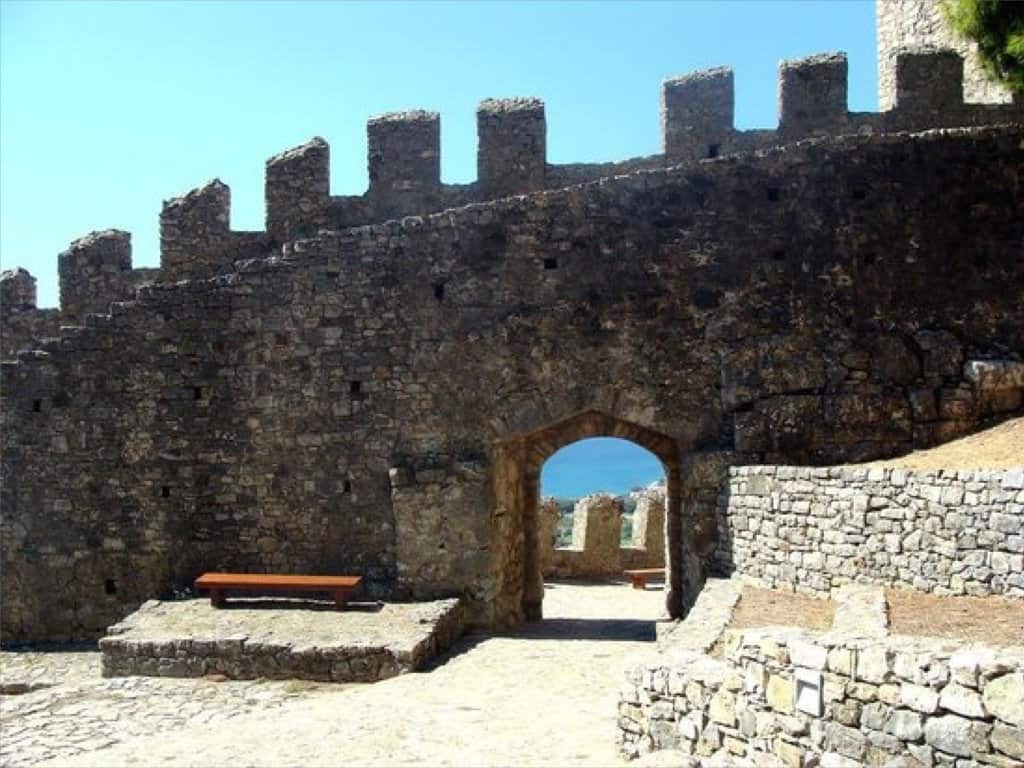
x=17, y=290
x=404, y=153
x=403, y=160
x=298, y=189
x=697, y=109
x=512, y=146
x=812, y=95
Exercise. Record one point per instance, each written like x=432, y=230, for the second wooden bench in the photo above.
x=640, y=576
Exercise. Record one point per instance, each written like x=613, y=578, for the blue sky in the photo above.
x=598, y=464
x=107, y=109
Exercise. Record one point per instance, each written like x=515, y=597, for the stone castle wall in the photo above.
x=914, y=24
x=330, y=409
x=334, y=395
x=814, y=529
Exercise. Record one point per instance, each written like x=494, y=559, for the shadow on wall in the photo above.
x=721, y=562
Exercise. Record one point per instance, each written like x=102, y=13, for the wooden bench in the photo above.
x=339, y=586
x=641, y=576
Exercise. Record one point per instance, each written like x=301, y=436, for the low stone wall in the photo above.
x=816, y=528
x=845, y=702
x=192, y=639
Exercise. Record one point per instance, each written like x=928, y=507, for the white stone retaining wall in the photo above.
x=815, y=528
x=831, y=701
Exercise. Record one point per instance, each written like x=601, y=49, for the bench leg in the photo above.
x=340, y=599
x=217, y=598
x=639, y=582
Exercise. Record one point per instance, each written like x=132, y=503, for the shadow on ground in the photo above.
x=632, y=630
x=297, y=604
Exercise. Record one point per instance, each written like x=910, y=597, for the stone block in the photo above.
x=874, y=664
x=780, y=694
x=722, y=709
x=791, y=755
x=848, y=742
x=808, y=655
x=905, y=725
x=962, y=701
x=1009, y=740
x=919, y=698
x=995, y=374
x=1003, y=698
x=955, y=735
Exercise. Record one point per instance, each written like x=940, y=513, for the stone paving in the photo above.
x=544, y=695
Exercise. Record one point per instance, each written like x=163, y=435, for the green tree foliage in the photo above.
x=997, y=26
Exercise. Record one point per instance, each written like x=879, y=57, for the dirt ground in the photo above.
x=991, y=620
x=1000, y=447
x=769, y=607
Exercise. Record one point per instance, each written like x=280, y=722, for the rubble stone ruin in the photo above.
x=371, y=384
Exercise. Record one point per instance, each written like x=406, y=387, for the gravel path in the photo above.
x=545, y=695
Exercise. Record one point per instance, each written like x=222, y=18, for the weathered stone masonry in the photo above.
x=814, y=529
x=834, y=699
x=379, y=399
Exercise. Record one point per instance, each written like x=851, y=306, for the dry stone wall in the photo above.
x=806, y=699
x=813, y=529
x=252, y=420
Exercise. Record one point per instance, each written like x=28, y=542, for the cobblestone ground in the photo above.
x=545, y=695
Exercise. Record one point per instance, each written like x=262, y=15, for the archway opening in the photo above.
x=517, y=528
x=602, y=510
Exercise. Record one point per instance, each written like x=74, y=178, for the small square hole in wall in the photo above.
x=355, y=387
x=779, y=255
x=859, y=194
x=197, y=393
x=869, y=258
x=773, y=194
x=550, y=263
x=37, y=406
x=713, y=150
x=165, y=492
x=439, y=291
x=110, y=587
x=346, y=487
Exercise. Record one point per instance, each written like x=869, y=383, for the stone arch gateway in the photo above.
x=517, y=488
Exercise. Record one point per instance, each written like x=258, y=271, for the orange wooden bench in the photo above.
x=339, y=586
x=641, y=576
